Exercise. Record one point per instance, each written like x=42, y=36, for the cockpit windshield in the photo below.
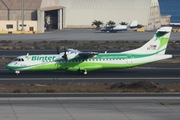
x=19, y=59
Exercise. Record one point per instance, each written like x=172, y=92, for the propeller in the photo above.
x=57, y=49
x=173, y=57
x=65, y=54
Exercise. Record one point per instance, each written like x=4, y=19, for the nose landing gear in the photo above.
x=17, y=72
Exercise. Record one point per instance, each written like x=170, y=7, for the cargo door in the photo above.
x=129, y=60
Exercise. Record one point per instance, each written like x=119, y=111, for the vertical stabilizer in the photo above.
x=133, y=24
x=157, y=44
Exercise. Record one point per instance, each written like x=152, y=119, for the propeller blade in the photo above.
x=57, y=49
x=65, y=54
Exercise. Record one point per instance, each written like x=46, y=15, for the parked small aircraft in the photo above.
x=116, y=28
x=83, y=62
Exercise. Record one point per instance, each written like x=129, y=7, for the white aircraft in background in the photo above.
x=116, y=28
x=83, y=62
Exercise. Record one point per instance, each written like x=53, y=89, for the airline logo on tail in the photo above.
x=161, y=39
x=162, y=36
x=163, y=42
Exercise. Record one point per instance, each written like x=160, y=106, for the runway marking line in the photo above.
x=158, y=78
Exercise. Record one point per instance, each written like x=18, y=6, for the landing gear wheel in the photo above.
x=17, y=72
x=83, y=72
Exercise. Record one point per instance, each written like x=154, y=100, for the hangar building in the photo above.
x=59, y=14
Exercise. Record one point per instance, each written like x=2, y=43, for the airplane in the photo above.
x=119, y=27
x=83, y=62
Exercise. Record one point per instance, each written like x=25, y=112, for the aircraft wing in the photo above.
x=86, y=55
x=76, y=54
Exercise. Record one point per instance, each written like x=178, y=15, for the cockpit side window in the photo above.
x=16, y=59
x=19, y=59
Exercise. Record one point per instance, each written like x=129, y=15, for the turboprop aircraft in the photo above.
x=83, y=62
x=116, y=28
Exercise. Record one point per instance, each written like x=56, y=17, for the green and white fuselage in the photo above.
x=152, y=51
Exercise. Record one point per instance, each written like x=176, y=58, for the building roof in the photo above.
x=17, y=4
x=51, y=8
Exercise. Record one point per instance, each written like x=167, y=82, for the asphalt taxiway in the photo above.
x=158, y=73
x=86, y=35
x=90, y=108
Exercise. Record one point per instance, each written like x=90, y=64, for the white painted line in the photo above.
x=143, y=78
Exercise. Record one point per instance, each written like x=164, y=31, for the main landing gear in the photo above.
x=17, y=72
x=82, y=72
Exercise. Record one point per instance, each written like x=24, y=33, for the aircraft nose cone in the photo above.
x=9, y=66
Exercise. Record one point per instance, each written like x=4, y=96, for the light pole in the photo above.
x=22, y=15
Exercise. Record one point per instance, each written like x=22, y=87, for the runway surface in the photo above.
x=86, y=35
x=90, y=108
x=158, y=73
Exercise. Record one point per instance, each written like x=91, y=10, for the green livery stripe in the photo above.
x=163, y=41
x=89, y=66
x=116, y=55
x=160, y=34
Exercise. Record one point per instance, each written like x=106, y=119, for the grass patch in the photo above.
x=141, y=86
x=134, y=87
x=42, y=45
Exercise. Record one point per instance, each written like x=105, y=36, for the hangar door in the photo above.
x=51, y=20
x=54, y=19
